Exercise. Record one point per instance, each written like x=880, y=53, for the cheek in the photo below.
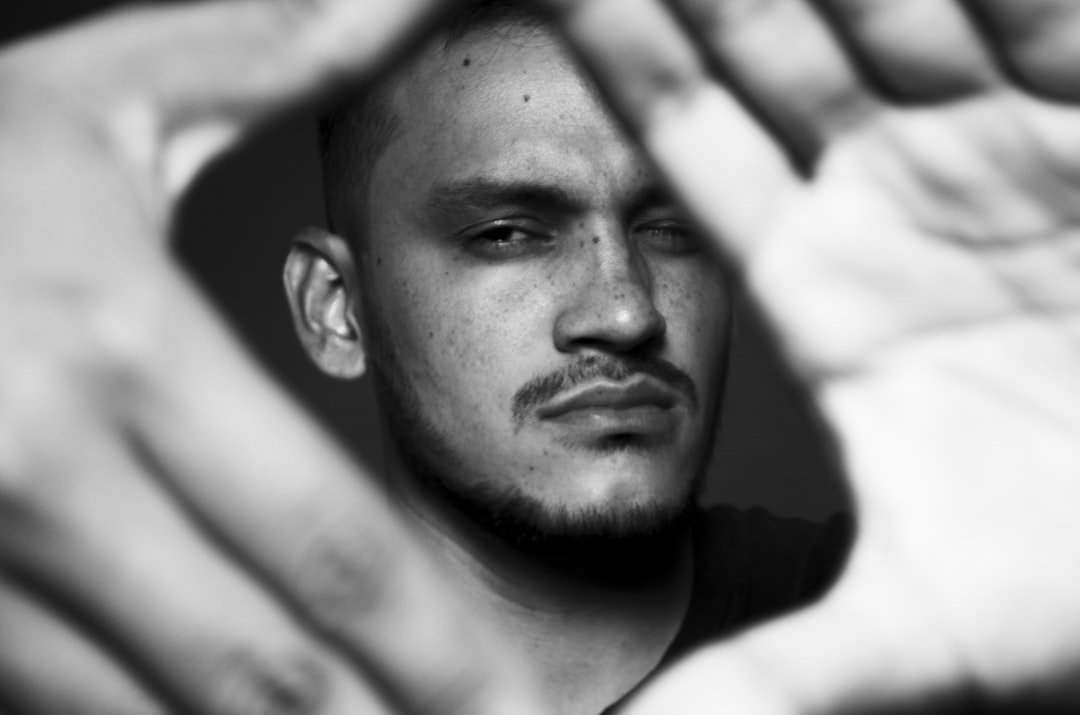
x=465, y=341
x=696, y=304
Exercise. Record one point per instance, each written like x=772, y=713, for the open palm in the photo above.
x=921, y=278
x=925, y=287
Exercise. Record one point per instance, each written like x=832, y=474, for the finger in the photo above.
x=118, y=554
x=841, y=655
x=787, y=60
x=731, y=173
x=47, y=667
x=1037, y=39
x=921, y=50
x=190, y=78
x=268, y=482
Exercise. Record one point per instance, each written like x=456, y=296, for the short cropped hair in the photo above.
x=353, y=135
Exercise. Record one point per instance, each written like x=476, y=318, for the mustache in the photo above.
x=543, y=388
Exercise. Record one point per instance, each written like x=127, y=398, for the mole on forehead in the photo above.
x=493, y=43
x=541, y=72
x=489, y=65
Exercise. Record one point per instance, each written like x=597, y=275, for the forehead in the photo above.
x=504, y=102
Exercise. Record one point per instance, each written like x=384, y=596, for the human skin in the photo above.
x=156, y=484
x=944, y=600
x=920, y=280
x=513, y=233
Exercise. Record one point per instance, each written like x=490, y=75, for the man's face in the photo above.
x=546, y=327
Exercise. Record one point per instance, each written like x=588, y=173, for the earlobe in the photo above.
x=319, y=280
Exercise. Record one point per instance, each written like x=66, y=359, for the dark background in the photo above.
x=233, y=234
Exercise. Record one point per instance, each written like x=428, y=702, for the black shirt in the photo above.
x=750, y=565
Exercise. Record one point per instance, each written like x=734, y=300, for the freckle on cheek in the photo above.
x=596, y=239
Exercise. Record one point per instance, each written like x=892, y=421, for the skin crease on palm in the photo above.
x=941, y=334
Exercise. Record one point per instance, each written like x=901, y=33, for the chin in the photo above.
x=611, y=514
x=609, y=502
x=612, y=539
x=621, y=496
x=620, y=473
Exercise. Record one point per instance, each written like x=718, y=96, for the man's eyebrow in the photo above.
x=482, y=194
x=651, y=197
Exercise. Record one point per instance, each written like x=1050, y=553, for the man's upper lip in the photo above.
x=639, y=391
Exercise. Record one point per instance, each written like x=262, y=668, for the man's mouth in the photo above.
x=641, y=404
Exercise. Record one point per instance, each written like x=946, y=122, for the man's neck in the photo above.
x=590, y=633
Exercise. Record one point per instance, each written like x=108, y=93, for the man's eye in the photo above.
x=506, y=240
x=669, y=237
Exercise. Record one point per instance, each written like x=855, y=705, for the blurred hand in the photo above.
x=923, y=281
x=174, y=533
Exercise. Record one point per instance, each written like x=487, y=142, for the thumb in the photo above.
x=180, y=83
x=870, y=652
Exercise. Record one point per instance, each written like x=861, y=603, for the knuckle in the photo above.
x=261, y=683
x=60, y=388
x=56, y=399
x=346, y=575
x=112, y=338
x=95, y=325
x=128, y=331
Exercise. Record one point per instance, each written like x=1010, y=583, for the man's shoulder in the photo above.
x=751, y=565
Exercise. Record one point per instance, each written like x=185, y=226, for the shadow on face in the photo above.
x=547, y=332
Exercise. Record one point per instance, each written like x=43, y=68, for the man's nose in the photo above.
x=611, y=307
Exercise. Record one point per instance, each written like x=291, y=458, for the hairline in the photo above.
x=354, y=135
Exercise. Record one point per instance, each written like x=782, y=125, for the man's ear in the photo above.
x=321, y=283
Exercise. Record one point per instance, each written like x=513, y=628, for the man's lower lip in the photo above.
x=646, y=419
